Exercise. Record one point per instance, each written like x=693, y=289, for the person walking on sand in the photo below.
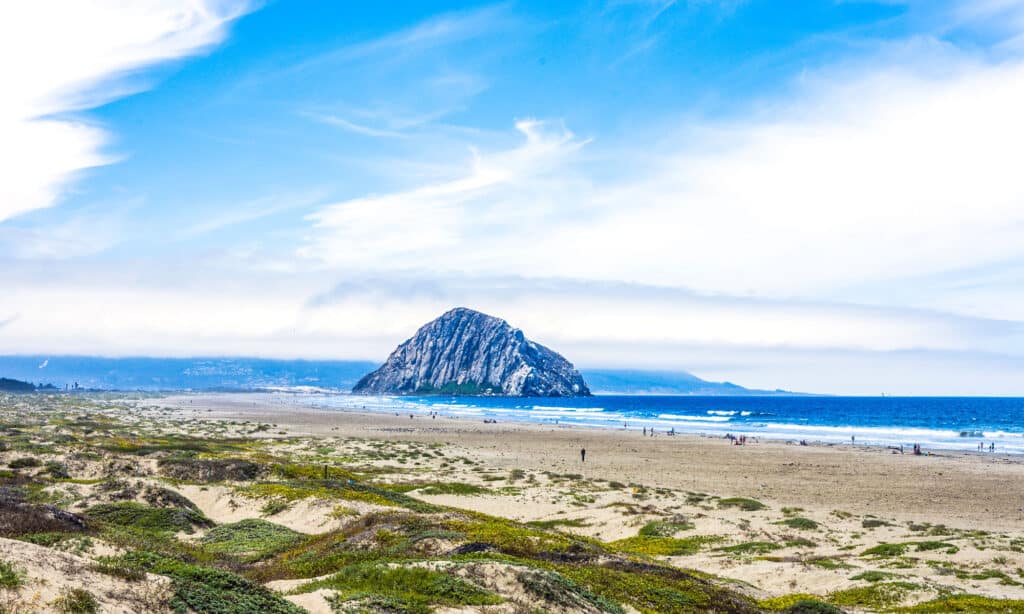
x=583, y=455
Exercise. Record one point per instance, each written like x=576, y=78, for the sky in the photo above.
x=824, y=196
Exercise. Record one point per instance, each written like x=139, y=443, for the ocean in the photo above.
x=933, y=422
x=955, y=423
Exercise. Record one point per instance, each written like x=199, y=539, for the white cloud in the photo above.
x=60, y=57
x=512, y=191
x=864, y=175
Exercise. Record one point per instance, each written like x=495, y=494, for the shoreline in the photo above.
x=716, y=424
x=962, y=488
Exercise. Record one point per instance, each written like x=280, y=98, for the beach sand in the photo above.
x=859, y=527
x=967, y=490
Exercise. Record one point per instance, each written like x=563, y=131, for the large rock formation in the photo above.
x=465, y=352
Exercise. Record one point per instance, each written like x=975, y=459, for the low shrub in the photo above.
x=871, y=523
x=204, y=589
x=661, y=528
x=743, y=503
x=751, y=548
x=414, y=589
x=25, y=462
x=210, y=470
x=10, y=576
x=76, y=601
x=798, y=522
x=873, y=576
x=252, y=539
x=455, y=488
x=664, y=546
x=874, y=597
x=144, y=518
x=977, y=604
x=57, y=470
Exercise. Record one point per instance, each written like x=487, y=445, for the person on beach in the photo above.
x=853, y=440
x=992, y=447
x=645, y=431
x=583, y=455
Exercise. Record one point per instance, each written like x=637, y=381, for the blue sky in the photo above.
x=821, y=197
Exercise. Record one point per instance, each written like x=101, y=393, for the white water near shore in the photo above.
x=712, y=423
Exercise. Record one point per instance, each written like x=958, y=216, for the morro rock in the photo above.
x=465, y=352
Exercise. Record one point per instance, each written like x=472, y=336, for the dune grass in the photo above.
x=409, y=589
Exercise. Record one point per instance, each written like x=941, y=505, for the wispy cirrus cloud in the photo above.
x=449, y=218
x=83, y=54
x=863, y=173
x=253, y=210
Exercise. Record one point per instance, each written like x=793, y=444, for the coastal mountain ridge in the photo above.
x=465, y=352
x=232, y=374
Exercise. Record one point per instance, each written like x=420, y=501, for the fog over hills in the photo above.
x=239, y=373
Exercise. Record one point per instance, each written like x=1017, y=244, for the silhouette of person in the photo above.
x=583, y=455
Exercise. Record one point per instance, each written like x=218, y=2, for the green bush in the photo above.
x=660, y=528
x=745, y=504
x=873, y=576
x=414, y=589
x=664, y=546
x=76, y=601
x=119, y=568
x=455, y=488
x=873, y=597
x=885, y=550
x=813, y=606
x=144, y=518
x=751, y=548
x=204, y=589
x=804, y=524
x=871, y=523
x=58, y=471
x=976, y=604
x=24, y=462
x=10, y=576
x=251, y=538
x=562, y=592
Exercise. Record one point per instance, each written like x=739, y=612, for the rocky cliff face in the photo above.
x=465, y=352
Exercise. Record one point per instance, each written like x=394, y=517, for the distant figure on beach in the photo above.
x=583, y=455
x=992, y=447
x=853, y=440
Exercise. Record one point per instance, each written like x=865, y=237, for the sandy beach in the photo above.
x=966, y=490
x=295, y=498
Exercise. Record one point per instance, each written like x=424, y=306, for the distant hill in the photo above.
x=14, y=385
x=465, y=352
x=184, y=373
x=151, y=374
x=631, y=381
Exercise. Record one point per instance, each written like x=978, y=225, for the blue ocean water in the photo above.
x=934, y=422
